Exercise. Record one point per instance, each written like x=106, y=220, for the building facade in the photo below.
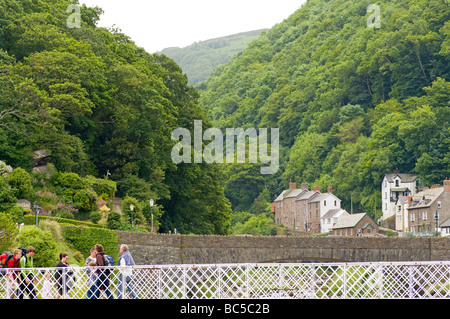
x=301, y=209
x=393, y=187
x=429, y=208
x=353, y=225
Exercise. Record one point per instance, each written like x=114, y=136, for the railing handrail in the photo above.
x=355, y=280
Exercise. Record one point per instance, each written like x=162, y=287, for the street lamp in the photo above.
x=436, y=216
x=36, y=211
x=132, y=209
x=151, y=209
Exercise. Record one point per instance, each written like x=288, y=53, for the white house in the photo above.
x=392, y=187
x=327, y=201
x=331, y=218
x=401, y=214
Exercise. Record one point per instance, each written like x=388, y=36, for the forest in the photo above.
x=199, y=59
x=99, y=104
x=353, y=100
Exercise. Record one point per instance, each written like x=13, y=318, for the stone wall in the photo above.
x=188, y=249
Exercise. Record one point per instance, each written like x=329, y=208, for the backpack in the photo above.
x=108, y=260
x=4, y=259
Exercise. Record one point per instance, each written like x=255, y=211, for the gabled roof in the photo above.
x=307, y=195
x=321, y=197
x=294, y=193
x=445, y=223
x=405, y=178
x=349, y=221
x=426, y=197
x=281, y=196
x=333, y=212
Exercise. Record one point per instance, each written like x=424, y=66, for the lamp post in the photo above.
x=436, y=216
x=132, y=209
x=36, y=211
x=151, y=209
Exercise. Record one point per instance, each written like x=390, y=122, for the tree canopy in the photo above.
x=352, y=101
x=99, y=103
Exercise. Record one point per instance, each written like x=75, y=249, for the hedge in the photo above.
x=31, y=220
x=85, y=238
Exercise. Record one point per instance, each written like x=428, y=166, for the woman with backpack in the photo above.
x=13, y=276
x=103, y=273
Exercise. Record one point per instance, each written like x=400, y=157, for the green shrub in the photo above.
x=113, y=221
x=85, y=238
x=8, y=232
x=46, y=254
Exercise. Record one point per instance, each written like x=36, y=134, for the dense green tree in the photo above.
x=351, y=102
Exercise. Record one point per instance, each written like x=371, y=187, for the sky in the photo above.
x=159, y=24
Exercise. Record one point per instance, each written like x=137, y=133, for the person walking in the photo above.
x=89, y=272
x=27, y=274
x=126, y=262
x=102, y=274
x=13, y=276
x=62, y=276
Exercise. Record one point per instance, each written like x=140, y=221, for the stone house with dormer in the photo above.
x=424, y=206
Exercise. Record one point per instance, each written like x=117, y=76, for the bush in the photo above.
x=113, y=221
x=8, y=231
x=96, y=216
x=85, y=200
x=20, y=182
x=46, y=254
x=83, y=239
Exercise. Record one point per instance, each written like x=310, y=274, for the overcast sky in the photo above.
x=158, y=24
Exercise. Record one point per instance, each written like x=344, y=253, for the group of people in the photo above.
x=99, y=277
x=22, y=279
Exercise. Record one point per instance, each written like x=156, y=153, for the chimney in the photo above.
x=317, y=188
x=329, y=189
x=447, y=185
x=304, y=186
x=292, y=185
x=409, y=200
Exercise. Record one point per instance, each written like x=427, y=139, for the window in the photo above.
x=324, y=203
x=439, y=204
x=424, y=215
x=335, y=203
x=397, y=183
x=413, y=217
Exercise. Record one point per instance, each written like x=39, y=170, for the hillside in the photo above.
x=199, y=59
x=102, y=108
x=352, y=101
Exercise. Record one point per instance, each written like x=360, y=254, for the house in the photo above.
x=318, y=206
x=25, y=204
x=331, y=218
x=445, y=228
x=401, y=214
x=424, y=206
x=393, y=186
x=284, y=206
x=355, y=225
x=301, y=209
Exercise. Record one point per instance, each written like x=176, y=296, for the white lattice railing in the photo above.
x=394, y=280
